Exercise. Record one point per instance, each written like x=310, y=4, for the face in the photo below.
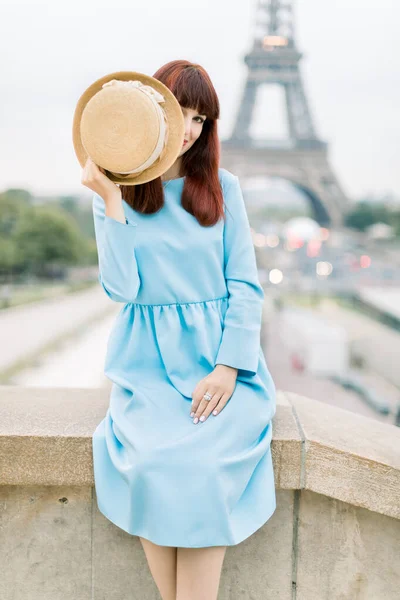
x=193, y=127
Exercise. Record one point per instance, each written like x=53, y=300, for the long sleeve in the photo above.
x=240, y=343
x=118, y=271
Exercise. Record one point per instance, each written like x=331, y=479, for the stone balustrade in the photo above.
x=335, y=534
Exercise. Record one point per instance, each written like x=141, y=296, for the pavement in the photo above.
x=359, y=327
x=28, y=329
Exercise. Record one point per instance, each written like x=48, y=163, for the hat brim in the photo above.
x=173, y=112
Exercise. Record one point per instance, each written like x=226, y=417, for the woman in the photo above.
x=182, y=458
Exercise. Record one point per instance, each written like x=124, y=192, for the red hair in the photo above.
x=202, y=194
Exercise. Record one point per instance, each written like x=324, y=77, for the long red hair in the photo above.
x=201, y=195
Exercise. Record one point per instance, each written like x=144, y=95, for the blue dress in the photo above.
x=191, y=299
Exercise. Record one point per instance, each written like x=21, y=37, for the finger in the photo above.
x=221, y=404
x=198, y=394
x=201, y=408
x=210, y=407
x=195, y=402
x=205, y=403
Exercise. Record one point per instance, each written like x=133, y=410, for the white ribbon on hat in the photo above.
x=156, y=98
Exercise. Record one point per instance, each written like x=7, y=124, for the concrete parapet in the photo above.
x=334, y=535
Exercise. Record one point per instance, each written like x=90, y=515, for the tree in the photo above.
x=18, y=195
x=366, y=214
x=82, y=214
x=8, y=256
x=14, y=204
x=12, y=208
x=47, y=238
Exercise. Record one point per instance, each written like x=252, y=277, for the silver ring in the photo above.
x=207, y=396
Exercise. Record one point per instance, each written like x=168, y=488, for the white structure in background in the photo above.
x=380, y=231
x=385, y=300
x=315, y=345
x=301, y=227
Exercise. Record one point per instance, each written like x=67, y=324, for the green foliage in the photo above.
x=16, y=195
x=12, y=208
x=70, y=204
x=83, y=215
x=13, y=205
x=44, y=239
x=8, y=254
x=46, y=235
x=91, y=252
x=366, y=214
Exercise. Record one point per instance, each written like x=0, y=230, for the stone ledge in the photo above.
x=349, y=457
x=46, y=439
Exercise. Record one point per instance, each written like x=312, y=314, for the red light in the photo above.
x=365, y=261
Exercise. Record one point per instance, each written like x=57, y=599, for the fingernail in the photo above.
x=195, y=420
x=202, y=418
x=192, y=414
x=215, y=412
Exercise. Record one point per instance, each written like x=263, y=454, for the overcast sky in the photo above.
x=51, y=51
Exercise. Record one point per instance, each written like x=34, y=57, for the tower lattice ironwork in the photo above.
x=302, y=158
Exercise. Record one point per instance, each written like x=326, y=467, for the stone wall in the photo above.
x=335, y=534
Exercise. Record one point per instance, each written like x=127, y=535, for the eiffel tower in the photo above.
x=302, y=159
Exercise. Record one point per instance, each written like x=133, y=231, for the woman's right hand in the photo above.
x=95, y=179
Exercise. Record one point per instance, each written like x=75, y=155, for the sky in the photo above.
x=53, y=50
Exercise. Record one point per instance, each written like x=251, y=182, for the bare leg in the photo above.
x=162, y=564
x=198, y=572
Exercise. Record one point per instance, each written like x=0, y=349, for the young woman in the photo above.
x=182, y=458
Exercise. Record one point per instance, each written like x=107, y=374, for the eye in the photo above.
x=201, y=119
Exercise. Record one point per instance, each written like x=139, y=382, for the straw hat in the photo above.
x=131, y=125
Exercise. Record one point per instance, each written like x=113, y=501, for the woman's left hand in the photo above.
x=220, y=384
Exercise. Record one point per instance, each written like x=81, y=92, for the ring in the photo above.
x=207, y=396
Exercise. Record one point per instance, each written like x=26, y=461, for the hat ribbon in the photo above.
x=156, y=98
